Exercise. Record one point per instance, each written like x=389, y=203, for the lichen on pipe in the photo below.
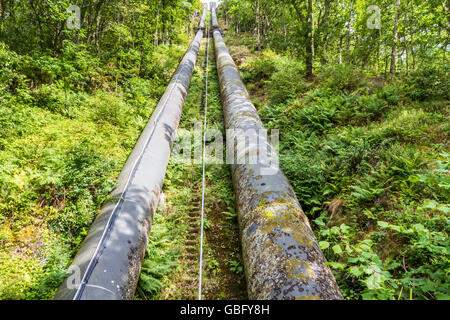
x=282, y=258
x=108, y=264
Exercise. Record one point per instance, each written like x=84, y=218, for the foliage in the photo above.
x=287, y=82
x=342, y=77
x=429, y=83
x=370, y=167
x=236, y=267
x=365, y=149
x=71, y=109
x=258, y=69
x=159, y=261
x=339, y=35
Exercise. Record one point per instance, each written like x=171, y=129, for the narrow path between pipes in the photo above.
x=171, y=268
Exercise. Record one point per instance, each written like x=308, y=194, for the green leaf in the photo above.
x=364, y=247
x=348, y=249
x=396, y=228
x=353, y=260
x=368, y=214
x=373, y=282
x=356, y=271
x=337, y=249
x=324, y=245
x=442, y=296
x=335, y=230
x=344, y=228
x=336, y=265
x=429, y=204
x=319, y=222
x=383, y=224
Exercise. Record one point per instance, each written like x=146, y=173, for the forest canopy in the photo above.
x=381, y=36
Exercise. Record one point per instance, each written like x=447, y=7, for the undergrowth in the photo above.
x=368, y=159
x=67, y=125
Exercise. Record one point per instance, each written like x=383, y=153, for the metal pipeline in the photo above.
x=108, y=265
x=282, y=258
x=214, y=22
x=203, y=19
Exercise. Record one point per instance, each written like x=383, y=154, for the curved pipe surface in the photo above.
x=282, y=257
x=107, y=266
x=214, y=22
x=203, y=19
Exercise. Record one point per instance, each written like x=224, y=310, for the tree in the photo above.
x=395, y=36
x=332, y=31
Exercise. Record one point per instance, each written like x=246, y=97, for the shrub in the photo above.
x=159, y=261
x=10, y=78
x=40, y=69
x=109, y=108
x=58, y=100
x=429, y=83
x=392, y=94
x=12, y=121
x=258, y=69
x=160, y=66
x=372, y=107
x=140, y=93
x=287, y=82
x=51, y=98
x=342, y=77
x=348, y=154
x=307, y=175
x=84, y=183
x=318, y=116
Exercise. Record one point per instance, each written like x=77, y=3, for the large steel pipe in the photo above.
x=282, y=258
x=108, y=264
x=203, y=19
x=214, y=22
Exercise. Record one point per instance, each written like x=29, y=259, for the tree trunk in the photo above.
x=349, y=29
x=155, y=41
x=284, y=25
x=386, y=64
x=406, y=49
x=2, y=9
x=325, y=31
x=394, y=46
x=258, y=26
x=413, y=55
x=141, y=63
x=309, y=44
